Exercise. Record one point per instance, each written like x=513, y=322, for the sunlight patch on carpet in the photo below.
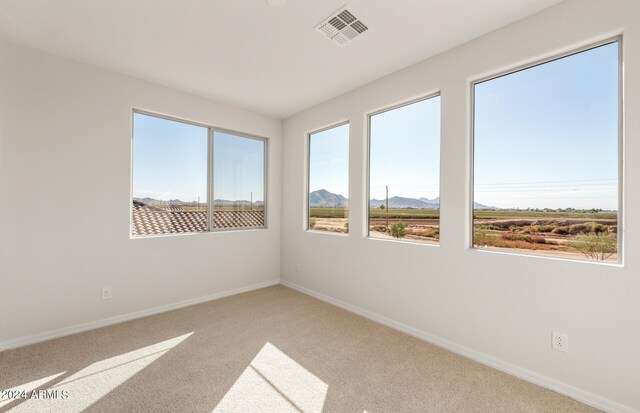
x=274, y=382
x=26, y=387
x=90, y=384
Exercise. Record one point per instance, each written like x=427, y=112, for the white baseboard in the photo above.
x=583, y=396
x=61, y=332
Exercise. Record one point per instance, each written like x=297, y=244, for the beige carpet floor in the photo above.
x=270, y=350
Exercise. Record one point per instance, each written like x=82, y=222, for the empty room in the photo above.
x=236, y=206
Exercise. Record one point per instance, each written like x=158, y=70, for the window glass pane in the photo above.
x=546, y=158
x=404, y=191
x=329, y=180
x=238, y=171
x=169, y=176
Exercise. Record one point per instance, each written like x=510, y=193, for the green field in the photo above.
x=328, y=212
x=405, y=213
x=479, y=214
x=377, y=213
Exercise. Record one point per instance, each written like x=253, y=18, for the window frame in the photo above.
x=307, y=192
x=210, y=174
x=212, y=131
x=367, y=212
x=618, y=39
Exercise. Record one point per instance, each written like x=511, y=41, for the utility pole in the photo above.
x=198, y=209
x=387, y=203
x=251, y=206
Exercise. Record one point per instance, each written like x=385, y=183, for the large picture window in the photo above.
x=329, y=180
x=192, y=178
x=546, y=158
x=404, y=172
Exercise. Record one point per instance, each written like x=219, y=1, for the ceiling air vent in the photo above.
x=342, y=27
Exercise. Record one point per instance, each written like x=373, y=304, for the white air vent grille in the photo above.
x=342, y=27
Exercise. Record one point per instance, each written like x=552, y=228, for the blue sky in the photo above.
x=409, y=173
x=329, y=160
x=169, y=159
x=238, y=168
x=405, y=151
x=548, y=136
x=545, y=137
x=170, y=162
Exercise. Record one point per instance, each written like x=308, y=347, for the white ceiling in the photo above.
x=245, y=53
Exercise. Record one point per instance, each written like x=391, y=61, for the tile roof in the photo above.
x=154, y=220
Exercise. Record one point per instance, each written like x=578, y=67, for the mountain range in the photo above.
x=325, y=199
x=219, y=202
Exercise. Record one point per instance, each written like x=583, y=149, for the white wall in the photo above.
x=504, y=306
x=65, y=185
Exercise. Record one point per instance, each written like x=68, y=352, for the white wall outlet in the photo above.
x=560, y=342
x=298, y=267
x=107, y=293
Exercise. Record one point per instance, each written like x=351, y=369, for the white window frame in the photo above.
x=621, y=181
x=210, y=170
x=307, y=191
x=368, y=170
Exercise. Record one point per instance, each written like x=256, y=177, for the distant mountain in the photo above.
x=152, y=201
x=176, y=202
x=477, y=205
x=401, y=202
x=225, y=202
x=430, y=201
x=325, y=199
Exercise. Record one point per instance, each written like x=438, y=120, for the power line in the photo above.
x=546, y=190
x=550, y=182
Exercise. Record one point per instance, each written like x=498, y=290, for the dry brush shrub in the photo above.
x=532, y=239
x=597, y=228
x=561, y=230
x=579, y=229
x=585, y=228
x=595, y=246
x=538, y=229
x=427, y=233
x=312, y=223
x=398, y=229
x=537, y=239
x=515, y=237
x=482, y=237
x=546, y=228
x=520, y=244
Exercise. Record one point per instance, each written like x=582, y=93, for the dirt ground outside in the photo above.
x=551, y=237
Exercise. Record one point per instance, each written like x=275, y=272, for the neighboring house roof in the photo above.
x=153, y=220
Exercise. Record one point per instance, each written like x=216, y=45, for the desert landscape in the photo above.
x=569, y=233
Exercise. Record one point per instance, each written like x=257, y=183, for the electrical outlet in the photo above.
x=107, y=293
x=560, y=342
x=298, y=267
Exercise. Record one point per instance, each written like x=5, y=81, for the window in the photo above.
x=546, y=151
x=170, y=164
x=329, y=180
x=238, y=186
x=172, y=168
x=404, y=172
